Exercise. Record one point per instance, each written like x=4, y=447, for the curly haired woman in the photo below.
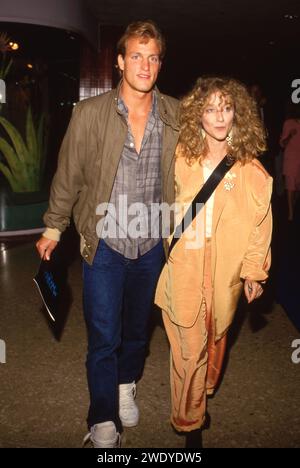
x=202, y=281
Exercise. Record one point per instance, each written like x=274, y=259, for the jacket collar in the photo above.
x=167, y=117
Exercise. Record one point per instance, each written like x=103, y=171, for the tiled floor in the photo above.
x=43, y=389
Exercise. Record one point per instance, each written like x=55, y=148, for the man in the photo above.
x=119, y=148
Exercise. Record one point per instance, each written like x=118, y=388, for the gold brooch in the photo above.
x=228, y=182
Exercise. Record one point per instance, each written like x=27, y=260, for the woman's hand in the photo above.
x=253, y=290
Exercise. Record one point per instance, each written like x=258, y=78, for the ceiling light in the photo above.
x=290, y=16
x=14, y=45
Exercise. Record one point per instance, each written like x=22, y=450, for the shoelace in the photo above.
x=87, y=438
x=127, y=397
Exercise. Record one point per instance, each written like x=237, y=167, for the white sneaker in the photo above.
x=104, y=435
x=128, y=410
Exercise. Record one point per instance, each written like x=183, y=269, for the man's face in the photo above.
x=140, y=65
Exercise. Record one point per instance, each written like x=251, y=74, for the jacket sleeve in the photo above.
x=257, y=260
x=68, y=180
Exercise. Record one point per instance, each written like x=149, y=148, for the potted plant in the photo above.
x=25, y=158
x=23, y=163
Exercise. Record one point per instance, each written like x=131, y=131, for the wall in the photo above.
x=64, y=14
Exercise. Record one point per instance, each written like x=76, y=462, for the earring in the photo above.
x=203, y=133
x=229, y=138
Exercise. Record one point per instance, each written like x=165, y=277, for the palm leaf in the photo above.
x=8, y=68
x=40, y=134
x=42, y=145
x=25, y=160
x=14, y=183
x=31, y=139
x=16, y=171
x=5, y=69
x=16, y=138
x=10, y=155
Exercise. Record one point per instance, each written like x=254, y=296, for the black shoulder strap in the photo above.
x=202, y=196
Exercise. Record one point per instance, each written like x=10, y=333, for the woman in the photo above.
x=290, y=141
x=200, y=285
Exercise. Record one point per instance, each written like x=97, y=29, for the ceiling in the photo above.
x=254, y=40
x=196, y=17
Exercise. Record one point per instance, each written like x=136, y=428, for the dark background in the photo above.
x=255, y=41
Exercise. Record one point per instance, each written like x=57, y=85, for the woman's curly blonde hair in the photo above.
x=248, y=133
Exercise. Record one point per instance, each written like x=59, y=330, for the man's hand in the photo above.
x=253, y=290
x=45, y=247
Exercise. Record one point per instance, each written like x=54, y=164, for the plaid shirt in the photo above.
x=138, y=180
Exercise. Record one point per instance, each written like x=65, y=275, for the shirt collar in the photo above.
x=124, y=110
x=161, y=109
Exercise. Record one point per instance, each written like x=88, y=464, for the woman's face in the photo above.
x=217, y=116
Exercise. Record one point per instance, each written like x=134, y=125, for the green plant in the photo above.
x=25, y=158
x=4, y=48
x=5, y=67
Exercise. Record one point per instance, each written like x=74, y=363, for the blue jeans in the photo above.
x=118, y=299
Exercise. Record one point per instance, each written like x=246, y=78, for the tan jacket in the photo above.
x=88, y=163
x=241, y=236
